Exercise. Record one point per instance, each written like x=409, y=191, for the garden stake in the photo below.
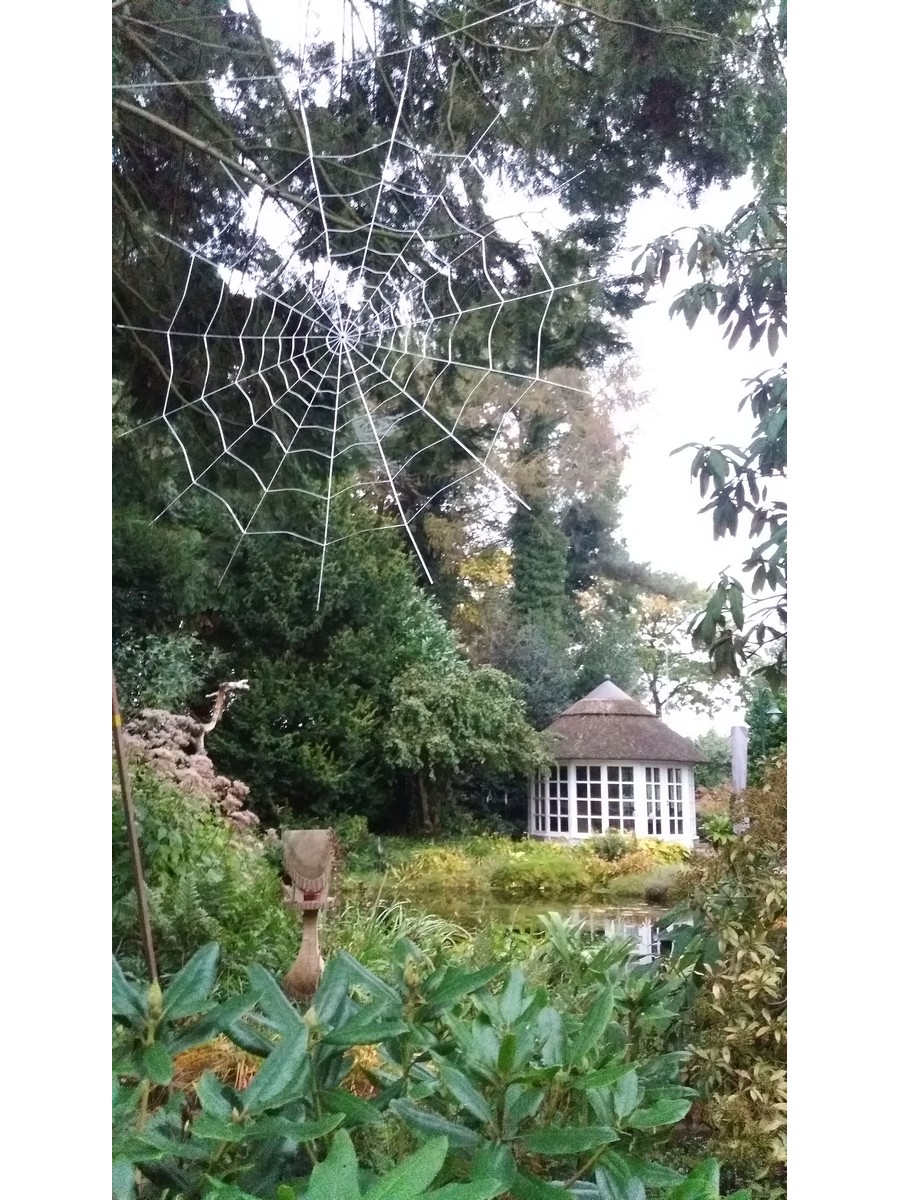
x=133, y=846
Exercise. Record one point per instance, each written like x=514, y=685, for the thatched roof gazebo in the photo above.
x=617, y=766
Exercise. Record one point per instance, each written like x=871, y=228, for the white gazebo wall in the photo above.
x=596, y=792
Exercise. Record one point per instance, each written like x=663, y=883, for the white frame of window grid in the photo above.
x=580, y=799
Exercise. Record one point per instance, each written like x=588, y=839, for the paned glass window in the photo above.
x=676, y=806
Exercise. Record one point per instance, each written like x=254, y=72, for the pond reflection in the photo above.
x=639, y=922
x=641, y=926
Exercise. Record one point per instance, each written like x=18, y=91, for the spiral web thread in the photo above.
x=354, y=345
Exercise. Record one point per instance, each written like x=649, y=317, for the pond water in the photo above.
x=639, y=922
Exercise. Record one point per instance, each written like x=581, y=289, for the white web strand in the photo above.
x=346, y=345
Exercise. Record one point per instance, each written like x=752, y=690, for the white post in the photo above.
x=690, y=807
x=739, y=736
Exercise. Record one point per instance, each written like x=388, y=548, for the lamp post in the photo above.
x=773, y=716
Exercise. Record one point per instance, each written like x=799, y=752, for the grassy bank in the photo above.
x=614, y=867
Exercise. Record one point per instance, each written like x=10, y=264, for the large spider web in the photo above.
x=338, y=356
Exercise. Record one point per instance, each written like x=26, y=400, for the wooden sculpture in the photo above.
x=308, y=858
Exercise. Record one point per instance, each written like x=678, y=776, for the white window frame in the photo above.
x=557, y=810
x=675, y=805
x=654, y=800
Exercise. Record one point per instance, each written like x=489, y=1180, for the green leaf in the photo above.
x=626, y=1094
x=657, y=1174
x=592, y=1027
x=212, y=1097
x=494, y=1161
x=736, y=604
x=356, y=1110
x=564, y=1141
x=221, y=1019
x=663, y=1112
x=506, y=1056
x=274, y=1002
x=342, y=972
x=226, y=1191
x=411, y=1177
x=457, y=984
x=337, y=1176
x=424, y=1121
x=156, y=1064
x=123, y=1179
x=529, y=1187
x=551, y=1028
x=478, y=1189
x=617, y=1181
x=219, y=1129
x=284, y=1075
x=519, y=1103
x=369, y=1026
x=248, y=1039
x=464, y=1092
x=605, y=1076
x=189, y=989
x=126, y=1001
x=309, y=1131
x=701, y=1184
x=511, y=1002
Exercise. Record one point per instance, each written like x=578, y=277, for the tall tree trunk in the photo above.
x=427, y=823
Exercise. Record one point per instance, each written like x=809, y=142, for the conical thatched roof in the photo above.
x=608, y=725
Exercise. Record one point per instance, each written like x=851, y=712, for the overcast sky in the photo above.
x=695, y=384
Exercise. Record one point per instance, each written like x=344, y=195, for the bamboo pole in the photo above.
x=140, y=886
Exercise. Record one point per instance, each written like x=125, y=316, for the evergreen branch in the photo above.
x=185, y=37
x=264, y=181
x=164, y=370
x=191, y=97
x=695, y=35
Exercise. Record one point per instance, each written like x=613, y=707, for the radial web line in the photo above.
x=328, y=492
x=387, y=471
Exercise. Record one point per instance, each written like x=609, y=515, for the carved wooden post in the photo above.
x=308, y=858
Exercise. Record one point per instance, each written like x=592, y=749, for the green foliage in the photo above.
x=539, y=570
x=308, y=735
x=369, y=931
x=655, y=886
x=612, y=845
x=548, y=871
x=767, y=725
x=537, y=662
x=716, y=749
x=158, y=670
x=531, y=869
x=160, y=572
x=732, y=954
x=485, y=1085
x=205, y=881
x=717, y=828
x=444, y=722
x=673, y=673
x=610, y=647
